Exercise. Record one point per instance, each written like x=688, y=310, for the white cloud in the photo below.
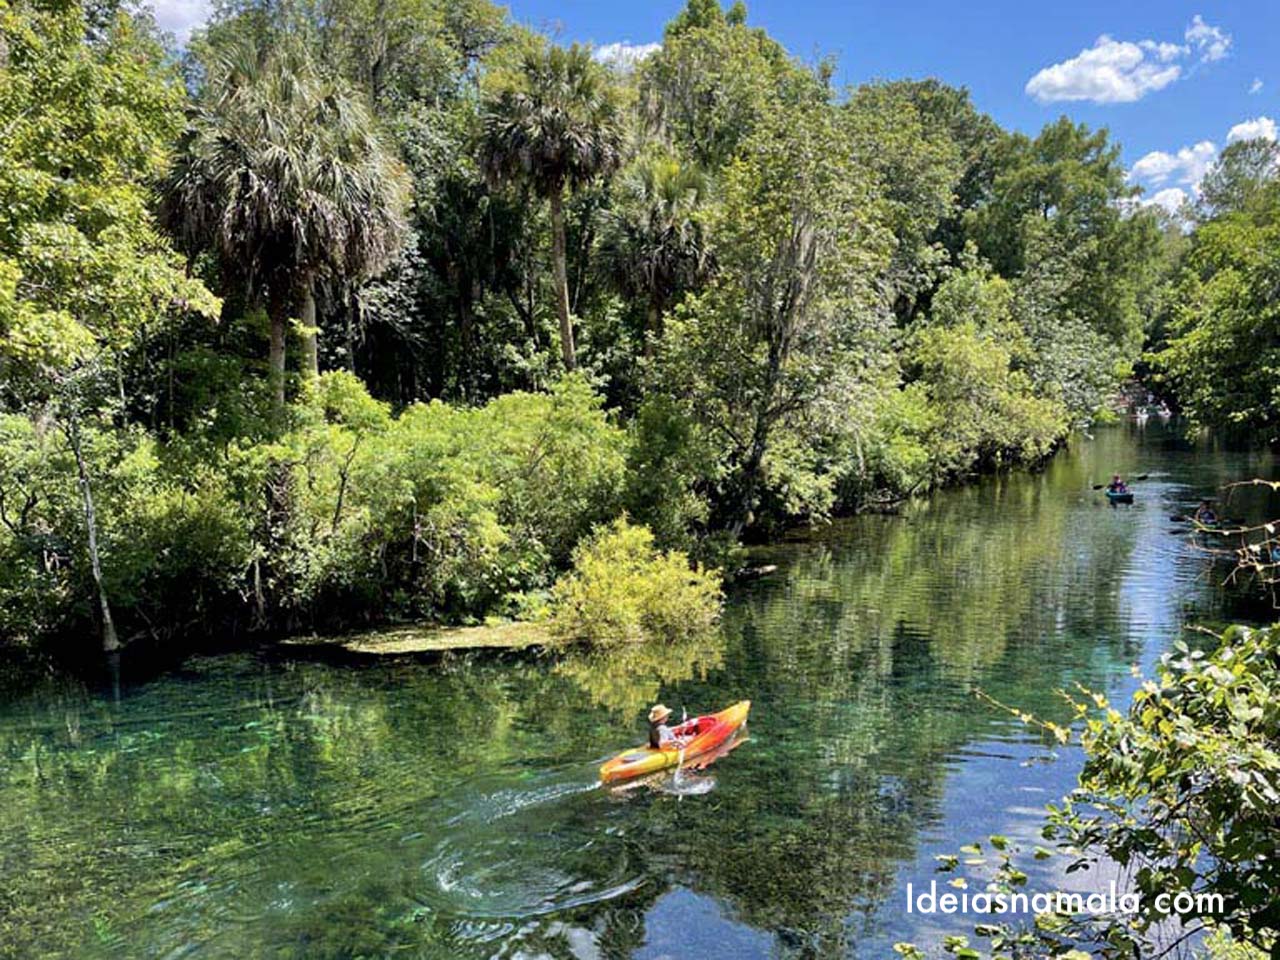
x=1263, y=127
x=1179, y=174
x=1111, y=71
x=1186, y=166
x=1122, y=71
x=1256, y=86
x=1164, y=52
x=180, y=17
x=1212, y=43
x=625, y=55
x=1170, y=199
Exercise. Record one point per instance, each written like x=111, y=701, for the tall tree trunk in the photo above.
x=653, y=324
x=749, y=480
x=110, y=642
x=562, y=280
x=353, y=306
x=310, y=334
x=279, y=318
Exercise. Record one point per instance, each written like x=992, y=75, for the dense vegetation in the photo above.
x=355, y=312
x=1218, y=330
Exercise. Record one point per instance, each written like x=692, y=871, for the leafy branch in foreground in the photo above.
x=1179, y=794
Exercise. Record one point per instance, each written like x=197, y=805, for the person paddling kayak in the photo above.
x=1205, y=514
x=1117, y=485
x=660, y=735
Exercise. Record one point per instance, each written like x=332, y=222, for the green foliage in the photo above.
x=919, y=164
x=1067, y=187
x=283, y=173
x=966, y=360
x=1178, y=793
x=652, y=245
x=348, y=514
x=1238, y=177
x=711, y=82
x=552, y=121
x=668, y=462
x=1223, y=350
x=622, y=589
x=774, y=289
x=441, y=512
x=1220, y=946
x=82, y=266
x=1183, y=787
x=174, y=551
x=789, y=326
x=88, y=117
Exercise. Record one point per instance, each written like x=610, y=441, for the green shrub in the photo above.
x=668, y=461
x=623, y=589
x=348, y=515
x=174, y=550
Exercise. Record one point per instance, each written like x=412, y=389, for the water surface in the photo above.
x=253, y=806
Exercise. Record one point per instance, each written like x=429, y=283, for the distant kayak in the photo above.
x=705, y=733
x=1117, y=496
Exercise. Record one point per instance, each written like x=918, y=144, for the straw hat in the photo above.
x=659, y=713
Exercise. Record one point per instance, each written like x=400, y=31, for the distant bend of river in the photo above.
x=254, y=806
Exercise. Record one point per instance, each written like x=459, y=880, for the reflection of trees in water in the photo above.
x=627, y=678
x=210, y=797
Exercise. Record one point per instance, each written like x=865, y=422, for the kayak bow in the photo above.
x=705, y=734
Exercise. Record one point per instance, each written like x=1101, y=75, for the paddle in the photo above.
x=684, y=718
x=1099, y=486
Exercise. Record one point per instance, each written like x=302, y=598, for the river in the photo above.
x=252, y=805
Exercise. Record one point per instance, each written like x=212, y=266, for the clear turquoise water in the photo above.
x=255, y=806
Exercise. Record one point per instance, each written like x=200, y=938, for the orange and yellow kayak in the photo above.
x=704, y=733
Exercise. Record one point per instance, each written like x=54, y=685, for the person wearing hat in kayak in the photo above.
x=660, y=735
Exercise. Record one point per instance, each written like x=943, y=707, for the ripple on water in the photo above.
x=526, y=851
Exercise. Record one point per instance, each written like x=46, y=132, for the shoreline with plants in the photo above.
x=291, y=346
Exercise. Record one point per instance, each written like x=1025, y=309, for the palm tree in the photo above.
x=285, y=174
x=652, y=245
x=553, y=123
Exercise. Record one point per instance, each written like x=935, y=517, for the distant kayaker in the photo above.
x=1205, y=514
x=660, y=735
x=1117, y=485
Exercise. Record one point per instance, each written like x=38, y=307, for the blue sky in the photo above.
x=1171, y=84
x=1171, y=79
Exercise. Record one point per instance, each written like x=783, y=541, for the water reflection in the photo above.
x=246, y=807
x=626, y=679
